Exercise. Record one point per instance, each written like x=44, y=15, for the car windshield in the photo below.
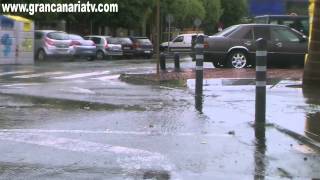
x=227, y=31
x=75, y=37
x=144, y=41
x=58, y=36
x=113, y=41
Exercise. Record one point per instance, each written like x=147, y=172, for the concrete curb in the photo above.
x=306, y=140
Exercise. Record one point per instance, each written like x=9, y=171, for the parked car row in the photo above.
x=50, y=43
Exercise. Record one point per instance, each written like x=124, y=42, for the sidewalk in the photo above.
x=288, y=105
x=184, y=74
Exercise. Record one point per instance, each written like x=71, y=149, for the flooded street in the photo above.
x=77, y=120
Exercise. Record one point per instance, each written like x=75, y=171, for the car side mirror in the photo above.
x=304, y=39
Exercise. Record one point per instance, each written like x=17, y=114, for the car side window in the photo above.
x=96, y=40
x=179, y=39
x=248, y=35
x=284, y=35
x=261, y=32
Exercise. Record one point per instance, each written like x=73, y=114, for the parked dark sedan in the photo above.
x=235, y=46
x=142, y=47
x=127, y=45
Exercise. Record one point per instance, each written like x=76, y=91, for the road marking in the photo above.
x=14, y=72
x=38, y=75
x=21, y=84
x=82, y=75
x=79, y=90
x=106, y=78
x=136, y=133
x=127, y=158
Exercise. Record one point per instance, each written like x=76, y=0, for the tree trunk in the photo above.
x=311, y=75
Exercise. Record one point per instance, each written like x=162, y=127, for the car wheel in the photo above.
x=237, y=59
x=217, y=64
x=100, y=55
x=91, y=58
x=41, y=55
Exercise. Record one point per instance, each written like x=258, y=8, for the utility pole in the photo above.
x=311, y=76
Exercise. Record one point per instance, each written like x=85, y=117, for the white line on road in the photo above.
x=38, y=75
x=106, y=78
x=21, y=84
x=136, y=133
x=129, y=158
x=82, y=75
x=14, y=72
x=79, y=90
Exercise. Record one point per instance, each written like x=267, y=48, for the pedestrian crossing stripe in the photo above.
x=14, y=72
x=81, y=75
x=39, y=75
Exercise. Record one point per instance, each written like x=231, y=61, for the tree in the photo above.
x=212, y=16
x=233, y=11
x=312, y=67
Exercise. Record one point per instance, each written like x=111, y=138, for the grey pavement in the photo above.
x=77, y=120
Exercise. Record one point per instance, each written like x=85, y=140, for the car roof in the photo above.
x=49, y=31
x=138, y=37
x=98, y=36
x=262, y=25
x=283, y=16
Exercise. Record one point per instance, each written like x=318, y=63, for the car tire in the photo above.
x=237, y=59
x=41, y=55
x=217, y=64
x=100, y=55
x=91, y=58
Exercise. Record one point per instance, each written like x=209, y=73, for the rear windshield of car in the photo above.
x=124, y=41
x=58, y=36
x=226, y=32
x=144, y=41
x=75, y=37
x=113, y=41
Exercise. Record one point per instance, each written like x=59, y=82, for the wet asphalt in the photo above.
x=77, y=120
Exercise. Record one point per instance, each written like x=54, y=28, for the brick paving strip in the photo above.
x=184, y=74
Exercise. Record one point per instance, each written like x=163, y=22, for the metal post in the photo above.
x=158, y=39
x=162, y=61
x=261, y=81
x=169, y=34
x=199, y=72
x=176, y=62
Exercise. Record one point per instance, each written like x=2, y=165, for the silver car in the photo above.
x=51, y=43
x=106, y=46
x=82, y=48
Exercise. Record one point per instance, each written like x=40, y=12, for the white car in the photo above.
x=182, y=43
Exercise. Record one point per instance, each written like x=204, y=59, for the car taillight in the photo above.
x=135, y=45
x=49, y=41
x=106, y=46
x=75, y=43
x=205, y=45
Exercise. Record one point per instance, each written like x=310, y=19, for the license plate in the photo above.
x=148, y=52
x=126, y=48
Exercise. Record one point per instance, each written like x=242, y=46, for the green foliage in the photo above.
x=213, y=14
x=133, y=13
x=233, y=11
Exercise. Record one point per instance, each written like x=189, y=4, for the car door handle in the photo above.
x=248, y=43
x=279, y=44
